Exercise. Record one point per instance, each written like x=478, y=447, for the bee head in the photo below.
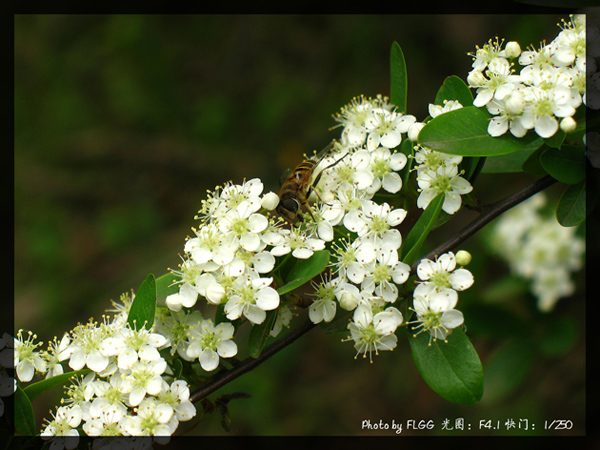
x=288, y=208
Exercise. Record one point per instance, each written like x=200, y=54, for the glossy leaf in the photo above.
x=398, y=78
x=143, y=307
x=24, y=418
x=464, y=132
x=165, y=286
x=304, y=270
x=38, y=388
x=571, y=209
x=454, y=88
x=451, y=369
x=566, y=165
x=420, y=230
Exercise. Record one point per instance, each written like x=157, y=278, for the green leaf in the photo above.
x=399, y=80
x=451, y=369
x=454, y=88
x=143, y=307
x=557, y=140
x=24, y=418
x=507, y=369
x=511, y=162
x=260, y=333
x=305, y=270
x=417, y=235
x=571, y=208
x=464, y=132
x=165, y=286
x=36, y=389
x=566, y=165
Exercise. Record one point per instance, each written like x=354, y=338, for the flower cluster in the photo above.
x=549, y=87
x=436, y=295
x=438, y=173
x=126, y=392
x=539, y=249
x=232, y=255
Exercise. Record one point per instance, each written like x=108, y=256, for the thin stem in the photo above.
x=248, y=364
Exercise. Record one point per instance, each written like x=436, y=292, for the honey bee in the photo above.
x=297, y=188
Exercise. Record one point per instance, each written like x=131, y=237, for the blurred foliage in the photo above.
x=123, y=122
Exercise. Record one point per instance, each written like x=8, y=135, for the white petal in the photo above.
x=227, y=349
x=209, y=360
x=267, y=299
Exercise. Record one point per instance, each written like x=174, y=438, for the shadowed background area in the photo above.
x=122, y=123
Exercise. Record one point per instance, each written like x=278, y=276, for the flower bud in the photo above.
x=414, y=130
x=270, y=201
x=463, y=257
x=568, y=124
x=214, y=293
x=348, y=301
x=513, y=49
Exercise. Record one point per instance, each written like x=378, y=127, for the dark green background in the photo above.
x=122, y=122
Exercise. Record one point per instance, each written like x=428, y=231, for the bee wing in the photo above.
x=324, y=152
x=285, y=175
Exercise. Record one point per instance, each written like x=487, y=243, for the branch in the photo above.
x=248, y=364
x=489, y=213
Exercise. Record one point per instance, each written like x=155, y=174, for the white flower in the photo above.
x=208, y=342
x=144, y=378
x=352, y=257
x=323, y=308
x=352, y=171
x=130, y=345
x=86, y=343
x=57, y=352
x=436, y=314
x=110, y=397
x=210, y=244
x=175, y=326
x=64, y=425
x=377, y=222
x=177, y=396
x=445, y=180
x=384, y=165
x=242, y=226
x=374, y=332
x=296, y=240
x=283, y=319
x=153, y=419
x=382, y=272
x=428, y=159
x=251, y=297
x=186, y=297
x=500, y=82
x=442, y=274
x=385, y=128
x=26, y=359
x=543, y=108
x=449, y=105
x=109, y=423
